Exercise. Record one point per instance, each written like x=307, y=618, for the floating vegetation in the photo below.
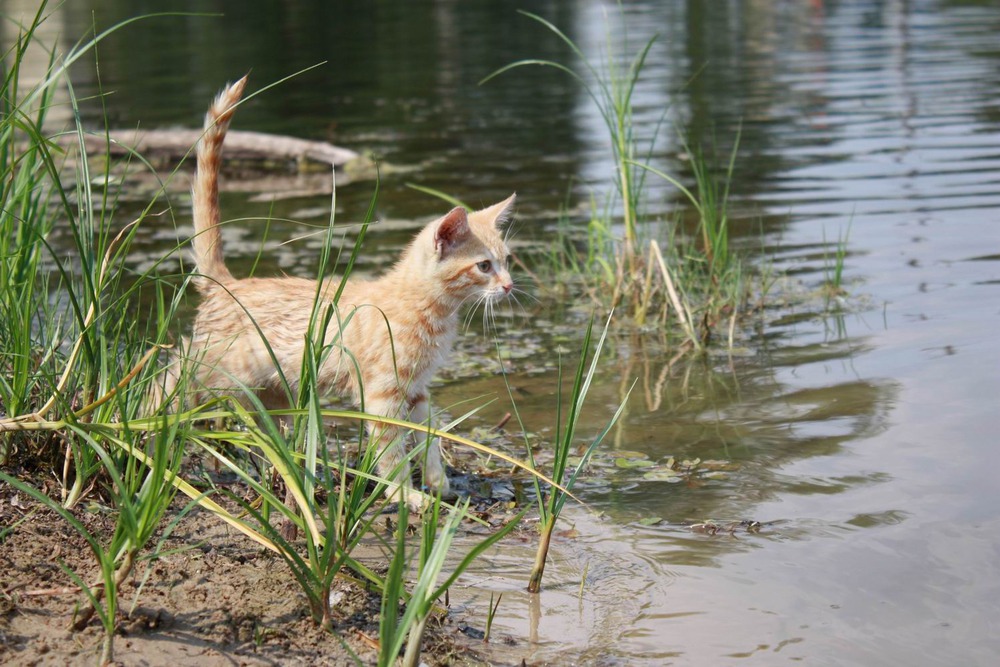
x=727, y=527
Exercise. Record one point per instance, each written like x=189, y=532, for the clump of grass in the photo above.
x=72, y=351
x=551, y=501
x=332, y=530
x=611, y=88
x=833, y=267
x=421, y=601
x=697, y=278
x=710, y=200
x=70, y=341
x=141, y=494
x=705, y=269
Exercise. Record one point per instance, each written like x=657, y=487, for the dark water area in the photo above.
x=862, y=436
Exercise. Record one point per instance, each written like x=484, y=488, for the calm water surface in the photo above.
x=867, y=440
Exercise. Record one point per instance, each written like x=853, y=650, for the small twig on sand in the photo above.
x=44, y=592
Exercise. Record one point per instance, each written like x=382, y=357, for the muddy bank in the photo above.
x=211, y=598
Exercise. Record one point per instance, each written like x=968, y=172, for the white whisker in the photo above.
x=509, y=234
x=514, y=301
x=526, y=293
x=480, y=298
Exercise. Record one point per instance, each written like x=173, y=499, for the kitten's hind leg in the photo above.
x=288, y=528
x=164, y=386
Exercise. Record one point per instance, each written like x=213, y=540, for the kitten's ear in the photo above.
x=500, y=213
x=451, y=230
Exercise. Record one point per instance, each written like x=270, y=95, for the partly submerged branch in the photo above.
x=240, y=145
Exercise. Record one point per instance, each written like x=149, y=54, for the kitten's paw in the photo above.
x=435, y=476
x=417, y=502
x=439, y=484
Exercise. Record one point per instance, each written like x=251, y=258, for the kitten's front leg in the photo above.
x=392, y=463
x=435, y=476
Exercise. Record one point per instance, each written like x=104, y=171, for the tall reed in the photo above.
x=550, y=501
x=611, y=86
x=68, y=329
x=833, y=267
x=693, y=279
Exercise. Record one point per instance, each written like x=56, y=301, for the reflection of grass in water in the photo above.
x=698, y=279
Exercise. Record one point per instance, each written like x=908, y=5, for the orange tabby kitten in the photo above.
x=459, y=257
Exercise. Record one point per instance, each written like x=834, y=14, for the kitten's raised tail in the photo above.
x=207, y=241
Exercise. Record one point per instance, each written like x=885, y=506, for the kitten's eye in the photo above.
x=485, y=266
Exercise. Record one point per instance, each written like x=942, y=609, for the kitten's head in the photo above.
x=468, y=254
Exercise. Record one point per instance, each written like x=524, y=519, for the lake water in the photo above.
x=863, y=439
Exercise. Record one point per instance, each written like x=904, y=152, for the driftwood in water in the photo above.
x=173, y=145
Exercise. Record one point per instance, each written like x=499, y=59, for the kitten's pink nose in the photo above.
x=507, y=287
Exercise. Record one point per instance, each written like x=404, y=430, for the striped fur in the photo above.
x=389, y=336
x=207, y=241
